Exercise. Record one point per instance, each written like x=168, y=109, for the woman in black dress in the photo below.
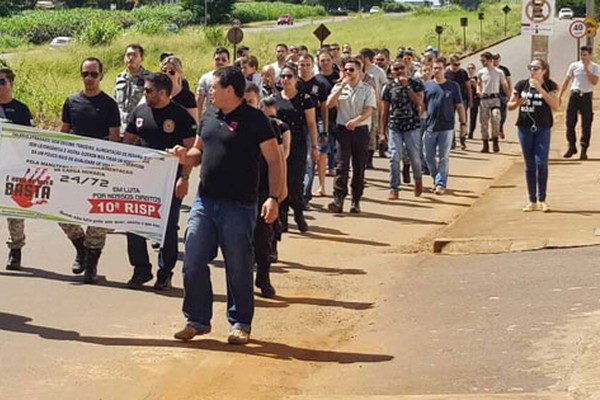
x=297, y=110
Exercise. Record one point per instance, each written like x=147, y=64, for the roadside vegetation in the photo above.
x=45, y=77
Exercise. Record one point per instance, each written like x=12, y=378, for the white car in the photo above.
x=60, y=41
x=374, y=10
x=565, y=13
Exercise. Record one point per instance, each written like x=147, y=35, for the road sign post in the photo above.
x=439, y=30
x=537, y=20
x=505, y=10
x=578, y=30
x=322, y=33
x=234, y=36
x=464, y=22
x=481, y=16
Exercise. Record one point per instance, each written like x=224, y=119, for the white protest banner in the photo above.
x=73, y=179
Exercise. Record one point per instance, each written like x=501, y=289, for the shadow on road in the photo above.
x=175, y=292
x=21, y=324
x=286, y=266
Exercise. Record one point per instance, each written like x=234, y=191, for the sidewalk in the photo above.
x=495, y=222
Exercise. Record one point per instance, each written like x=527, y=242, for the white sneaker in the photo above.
x=530, y=207
x=543, y=206
x=238, y=336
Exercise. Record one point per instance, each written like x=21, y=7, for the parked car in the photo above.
x=374, y=10
x=285, y=19
x=60, y=41
x=565, y=13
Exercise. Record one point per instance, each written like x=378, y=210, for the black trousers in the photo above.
x=473, y=111
x=350, y=146
x=580, y=104
x=296, y=168
x=263, y=240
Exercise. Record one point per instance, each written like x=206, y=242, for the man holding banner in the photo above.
x=90, y=113
x=160, y=124
x=13, y=111
x=229, y=142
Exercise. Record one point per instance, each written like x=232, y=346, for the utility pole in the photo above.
x=205, y=13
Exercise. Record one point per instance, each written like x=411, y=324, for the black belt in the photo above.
x=580, y=93
x=490, y=96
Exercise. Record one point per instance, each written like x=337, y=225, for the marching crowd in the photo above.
x=262, y=135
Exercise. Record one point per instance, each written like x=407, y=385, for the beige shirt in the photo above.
x=491, y=80
x=352, y=101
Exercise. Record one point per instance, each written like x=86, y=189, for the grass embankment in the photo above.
x=46, y=77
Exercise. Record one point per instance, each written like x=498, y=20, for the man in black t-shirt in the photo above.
x=318, y=89
x=90, y=113
x=159, y=124
x=230, y=139
x=15, y=112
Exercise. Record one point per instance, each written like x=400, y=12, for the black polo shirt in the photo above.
x=16, y=112
x=231, y=153
x=91, y=116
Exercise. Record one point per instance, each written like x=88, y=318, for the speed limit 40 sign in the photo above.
x=577, y=29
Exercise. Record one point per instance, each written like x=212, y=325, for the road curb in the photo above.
x=478, y=245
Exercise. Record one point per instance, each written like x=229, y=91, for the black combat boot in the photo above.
x=263, y=281
x=355, y=207
x=495, y=145
x=583, y=154
x=406, y=173
x=79, y=263
x=91, y=266
x=571, y=151
x=14, y=260
x=486, y=146
x=300, y=221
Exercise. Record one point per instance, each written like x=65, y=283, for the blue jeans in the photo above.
x=436, y=146
x=137, y=250
x=412, y=141
x=535, y=146
x=229, y=225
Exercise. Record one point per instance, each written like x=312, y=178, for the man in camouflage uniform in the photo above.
x=13, y=111
x=90, y=113
x=129, y=84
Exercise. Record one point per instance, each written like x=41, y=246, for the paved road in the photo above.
x=340, y=282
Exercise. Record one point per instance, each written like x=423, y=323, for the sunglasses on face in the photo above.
x=92, y=74
x=345, y=52
x=286, y=76
x=335, y=49
x=534, y=67
x=349, y=70
x=398, y=68
x=169, y=71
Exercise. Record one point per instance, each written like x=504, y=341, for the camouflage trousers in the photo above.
x=374, y=132
x=16, y=231
x=93, y=237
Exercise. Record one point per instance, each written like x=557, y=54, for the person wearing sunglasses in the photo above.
x=443, y=100
x=129, y=84
x=474, y=107
x=160, y=123
x=173, y=68
x=402, y=100
x=203, y=99
x=297, y=109
x=459, y=75
x=332, y=76
x=580, y=79
x=536, y=98
x=355, y=101
x=90, y=113
x=14, y=112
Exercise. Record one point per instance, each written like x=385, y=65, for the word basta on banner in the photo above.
x=77, y=180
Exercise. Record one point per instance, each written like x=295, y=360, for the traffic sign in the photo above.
x=577, y=29
x=506, y=9
x=537, y=17
x=591, y=26
x=235, y=35
x=322, y=32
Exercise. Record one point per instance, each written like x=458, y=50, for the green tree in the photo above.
x=8, y=7
x=218, y=11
